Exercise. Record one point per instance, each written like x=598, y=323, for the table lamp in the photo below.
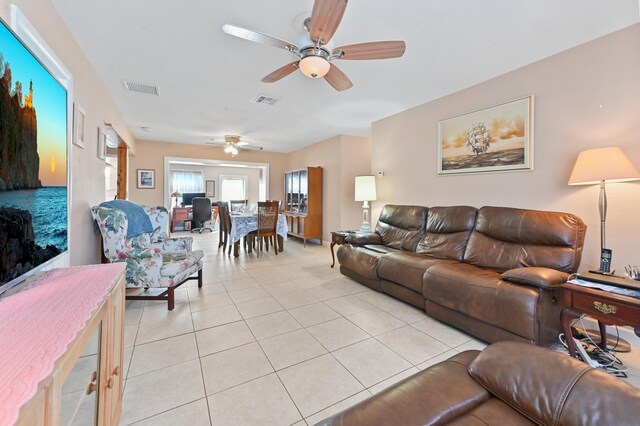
x=365, y=191
x=602, y=165
x=175, y=195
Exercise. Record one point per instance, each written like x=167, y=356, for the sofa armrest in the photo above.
x=363, y=239
x=535, y=276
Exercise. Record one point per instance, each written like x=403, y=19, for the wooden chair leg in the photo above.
x=200, y=278
x=170, y=299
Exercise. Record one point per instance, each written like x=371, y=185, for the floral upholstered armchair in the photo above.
x=153, y=259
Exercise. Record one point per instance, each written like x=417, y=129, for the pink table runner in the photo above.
x=38, y=323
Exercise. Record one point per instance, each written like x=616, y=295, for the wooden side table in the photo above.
x=179, y=214
x=339, y=238
x=606, y=307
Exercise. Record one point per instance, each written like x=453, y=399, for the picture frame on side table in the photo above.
x=146, y=178
x=494, y=139
x=79, y=125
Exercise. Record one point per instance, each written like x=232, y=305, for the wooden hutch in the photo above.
x=303, y=203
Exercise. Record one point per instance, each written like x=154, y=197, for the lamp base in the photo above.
x=365, y=227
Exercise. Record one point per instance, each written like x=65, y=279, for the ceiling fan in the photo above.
x=315, y=59
x=232, y=143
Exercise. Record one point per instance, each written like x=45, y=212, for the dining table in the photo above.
x=244, y=223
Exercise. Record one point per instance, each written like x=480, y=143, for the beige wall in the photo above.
x=586, y=97
x=342, y=159
x=87, y=171
x=151, y=154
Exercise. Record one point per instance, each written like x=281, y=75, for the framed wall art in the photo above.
x=146, y=178
x=102, y=144
x=79, y=125
x=498, y=138
x=210, y=188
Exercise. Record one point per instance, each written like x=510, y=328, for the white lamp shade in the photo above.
x=314, y=66
x=608, y=164
x=366, y=188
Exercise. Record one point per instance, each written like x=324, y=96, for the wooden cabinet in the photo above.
x=71, y=352
x=303, y=203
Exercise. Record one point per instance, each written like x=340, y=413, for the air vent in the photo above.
x=265, y=99
x=145, y=88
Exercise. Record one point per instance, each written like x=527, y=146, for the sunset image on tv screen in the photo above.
x=33, y=160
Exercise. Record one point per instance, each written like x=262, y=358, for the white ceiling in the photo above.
x=207, y=78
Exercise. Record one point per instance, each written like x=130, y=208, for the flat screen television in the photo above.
x=33, y=162
x=187, y=197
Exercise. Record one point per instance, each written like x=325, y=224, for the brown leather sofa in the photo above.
x=493, y=272
x=509, y=383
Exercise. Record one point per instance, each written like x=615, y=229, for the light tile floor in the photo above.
x=274, y=340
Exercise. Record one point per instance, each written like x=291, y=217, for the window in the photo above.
x=233, y=187
x=187, y=181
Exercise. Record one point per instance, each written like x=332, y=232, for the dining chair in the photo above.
x=238, y=205
x=225, y=224
x=267, y=225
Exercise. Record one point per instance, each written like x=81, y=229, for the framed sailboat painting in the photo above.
x=494, y=139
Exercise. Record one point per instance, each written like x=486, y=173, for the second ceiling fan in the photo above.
x=315, y=60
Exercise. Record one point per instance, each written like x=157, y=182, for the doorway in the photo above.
x=254, y=176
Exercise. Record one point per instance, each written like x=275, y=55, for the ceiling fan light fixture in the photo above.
x=314, y=66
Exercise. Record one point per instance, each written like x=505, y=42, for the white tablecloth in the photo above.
x=242, y=224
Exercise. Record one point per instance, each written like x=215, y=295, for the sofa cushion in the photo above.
x=406, y=269
x=359, y=260
x=401, y=227
x=447, y=232
x=481, y=294
x=506, y=238
x=436, y=395
x=552, y=388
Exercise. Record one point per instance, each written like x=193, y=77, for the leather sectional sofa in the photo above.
x=509, y=383
x=493, y=272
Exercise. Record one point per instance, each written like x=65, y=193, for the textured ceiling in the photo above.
x=207, y=79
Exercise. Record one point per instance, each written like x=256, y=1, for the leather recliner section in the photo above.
x=401, y=227
x=506, y=238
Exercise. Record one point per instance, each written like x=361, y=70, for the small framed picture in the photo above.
x=102, y=144
x=146, y=178
x=210, y=188
x=79, y=125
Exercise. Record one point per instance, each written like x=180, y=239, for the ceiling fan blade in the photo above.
x=338, y=79
x=257, y=37
x=281, y=72
x=372, y=50
x=325, y=18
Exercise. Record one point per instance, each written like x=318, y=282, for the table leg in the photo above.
x=566, y=317
x=333, y=257
x=280, y=243
x=236, y=248
x=603, y=335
